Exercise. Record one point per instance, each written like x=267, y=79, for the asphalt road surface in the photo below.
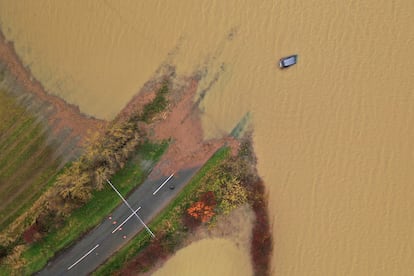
x=100, y=243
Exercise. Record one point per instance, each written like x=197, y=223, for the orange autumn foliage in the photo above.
x=201, y=211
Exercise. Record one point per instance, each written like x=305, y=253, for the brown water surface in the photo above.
x=208, y=257
x=333, y=134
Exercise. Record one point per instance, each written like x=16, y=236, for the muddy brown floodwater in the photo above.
x=333, y=134
x=208, y=257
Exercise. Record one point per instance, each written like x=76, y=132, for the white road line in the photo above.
x=156, y=191
x=130, y=208
x=130, y=216
x=83, y=257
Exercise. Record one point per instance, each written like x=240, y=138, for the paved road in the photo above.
x=99, y=244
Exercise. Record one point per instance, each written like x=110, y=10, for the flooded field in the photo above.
x=333, y=134
x=208, y=257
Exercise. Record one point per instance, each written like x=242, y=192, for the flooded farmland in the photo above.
x=333, y=134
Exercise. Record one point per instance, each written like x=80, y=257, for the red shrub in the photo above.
x=31, y=234
x=200, y=211
x=261, y=248
x=146, y=258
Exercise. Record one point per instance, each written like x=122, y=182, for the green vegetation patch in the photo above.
x=157, y=105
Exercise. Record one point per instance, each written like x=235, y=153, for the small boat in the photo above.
x=288, y=61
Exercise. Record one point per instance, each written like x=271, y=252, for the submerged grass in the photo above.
x=89, y=215
x=157, y=105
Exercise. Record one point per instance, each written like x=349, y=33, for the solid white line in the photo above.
x=130, y=216
x=89, y=252
x=130, y=208
x=162, y=184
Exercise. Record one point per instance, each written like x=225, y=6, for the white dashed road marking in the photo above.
x=83, y=257
x=156, y=191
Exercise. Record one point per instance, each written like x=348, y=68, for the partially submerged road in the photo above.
x=105, y=239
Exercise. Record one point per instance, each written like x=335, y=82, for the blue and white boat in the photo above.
x=288, y=61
